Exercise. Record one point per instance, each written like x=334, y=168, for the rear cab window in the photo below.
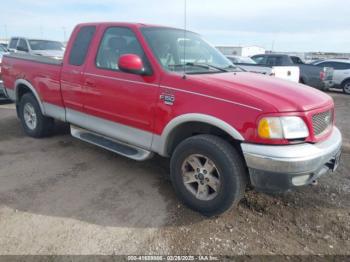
x=274, y=61
x=81, y=45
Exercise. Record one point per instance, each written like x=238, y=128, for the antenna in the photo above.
x=185, y=29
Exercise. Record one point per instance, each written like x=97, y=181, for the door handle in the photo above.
x=90, y=83
x=76, y=72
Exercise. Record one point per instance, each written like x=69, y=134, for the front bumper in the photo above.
x=280, y=168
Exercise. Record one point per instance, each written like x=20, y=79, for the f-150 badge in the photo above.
x=168, y=99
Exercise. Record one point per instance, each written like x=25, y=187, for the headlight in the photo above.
x=288, y=127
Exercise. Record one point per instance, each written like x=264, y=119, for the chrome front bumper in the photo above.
x=279, y=168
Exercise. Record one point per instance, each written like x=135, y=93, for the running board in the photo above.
x=115, y=146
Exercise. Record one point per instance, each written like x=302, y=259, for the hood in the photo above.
x=268, y=92
x=49, y=53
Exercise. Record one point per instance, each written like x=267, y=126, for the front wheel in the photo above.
x=346, y=87
x=34, y=123
x=208, y=174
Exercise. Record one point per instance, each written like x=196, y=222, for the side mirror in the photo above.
x=22, y=48
x=131, y=63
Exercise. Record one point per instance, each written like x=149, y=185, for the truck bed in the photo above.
x=36, y=58
x=42, y=73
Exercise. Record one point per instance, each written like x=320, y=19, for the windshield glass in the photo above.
x=169, y=47
x=45, y=45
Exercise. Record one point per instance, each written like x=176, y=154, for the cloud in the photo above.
x=288, y=23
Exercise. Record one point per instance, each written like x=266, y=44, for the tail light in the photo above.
x=322, y=75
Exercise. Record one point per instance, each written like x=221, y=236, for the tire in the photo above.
x=325, y=88
x=34, y=123
x=230, y=174
x=346, y=87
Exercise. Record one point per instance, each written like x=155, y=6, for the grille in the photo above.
x=321, y=122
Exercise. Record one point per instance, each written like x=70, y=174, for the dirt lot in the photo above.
x=62, y=196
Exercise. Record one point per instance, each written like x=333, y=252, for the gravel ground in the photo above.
x=62, y=196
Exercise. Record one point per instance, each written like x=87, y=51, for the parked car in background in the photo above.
x=314, y=62
x=48, y=48
x=3, y=51
x=132, y=89
x=291, y=73
x=312, y=75
x=4, y=45
x=341, y=75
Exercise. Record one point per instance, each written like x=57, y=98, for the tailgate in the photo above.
x=291, y=73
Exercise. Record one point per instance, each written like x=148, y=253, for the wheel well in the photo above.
x=188, y=129
x=344, y=81
x=21, y=90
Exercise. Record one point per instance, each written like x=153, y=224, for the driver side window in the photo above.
x=118, y=41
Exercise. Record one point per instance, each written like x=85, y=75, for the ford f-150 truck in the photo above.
x=140, y=90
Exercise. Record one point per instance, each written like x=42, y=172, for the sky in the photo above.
x=279, y=25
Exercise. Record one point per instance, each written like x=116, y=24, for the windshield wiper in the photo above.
x=206, y=66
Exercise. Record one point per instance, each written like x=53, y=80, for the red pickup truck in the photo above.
x=138, y=89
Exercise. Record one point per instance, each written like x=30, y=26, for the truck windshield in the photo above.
x=45, y=45
x=178, y=51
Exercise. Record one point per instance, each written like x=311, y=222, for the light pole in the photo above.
x=5, y=30
x=64, y=34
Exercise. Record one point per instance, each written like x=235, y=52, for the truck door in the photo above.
x=72, y=70
x=123, y=103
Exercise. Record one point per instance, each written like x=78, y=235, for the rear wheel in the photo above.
x=34, y=123
x=208, y=174
x=346, y=87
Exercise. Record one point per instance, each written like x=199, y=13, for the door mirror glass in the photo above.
x=131, y=63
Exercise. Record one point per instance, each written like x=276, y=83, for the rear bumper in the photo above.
x=280, y=168
x=328, y=84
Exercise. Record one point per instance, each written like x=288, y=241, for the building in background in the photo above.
x=4, y=41
x=241, y=50
x=326, y=55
